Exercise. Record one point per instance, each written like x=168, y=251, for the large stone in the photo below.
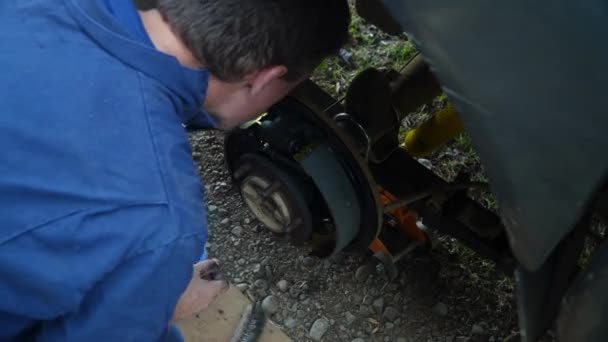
x=318, y=329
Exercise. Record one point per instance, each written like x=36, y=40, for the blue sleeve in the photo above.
x=110, y=274
x=135, y=302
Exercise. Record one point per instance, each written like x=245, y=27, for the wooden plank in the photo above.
x=218, y=322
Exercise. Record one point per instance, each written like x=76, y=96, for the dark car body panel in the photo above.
x=529, y=81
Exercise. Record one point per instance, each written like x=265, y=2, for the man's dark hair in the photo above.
x=235, y=37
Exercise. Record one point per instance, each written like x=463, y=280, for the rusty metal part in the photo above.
x=394, y=175
x=378, y=105
x=312, y=101
x=359, y=137
x=415, y=197
x=331, y=179
x=415, y=86
x=369, y=101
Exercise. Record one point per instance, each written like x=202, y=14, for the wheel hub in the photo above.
x=270, y=207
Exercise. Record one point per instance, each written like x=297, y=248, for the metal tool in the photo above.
x=252, y=324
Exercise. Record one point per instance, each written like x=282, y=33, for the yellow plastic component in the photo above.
x=434, y=133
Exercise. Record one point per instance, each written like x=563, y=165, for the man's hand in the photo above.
x=206, y=284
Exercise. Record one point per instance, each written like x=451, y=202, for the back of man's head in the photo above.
x=235, y=37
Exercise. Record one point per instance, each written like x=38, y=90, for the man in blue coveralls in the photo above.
x=101, y=212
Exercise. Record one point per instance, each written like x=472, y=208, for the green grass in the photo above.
x=368, y=48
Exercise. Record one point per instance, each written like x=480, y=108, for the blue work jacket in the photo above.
x=101, y=208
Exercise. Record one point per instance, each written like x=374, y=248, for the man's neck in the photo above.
x=166, y=40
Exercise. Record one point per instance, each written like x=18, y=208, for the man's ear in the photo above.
x=266, y=76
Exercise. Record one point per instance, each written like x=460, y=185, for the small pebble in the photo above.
x=358, y=340
x=440, y=309
x=390, y=313
x=270, y=305
x=282, y=285
x=365, y=310
x=363, y=273
x=225, y=222
x=350, y=318
x=260, y=284
x=237, y=231
x=290, y=323
x=308, y=261
x=477, y=329
x=514, y=337
x=242, y=287
x=318, y=329
x=212, y=208
x=427, y=163
x=258, y=271
x=378, y=305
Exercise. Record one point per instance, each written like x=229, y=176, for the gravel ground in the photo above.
x=445, y=296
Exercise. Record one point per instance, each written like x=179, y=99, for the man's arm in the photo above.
x=134, y=302
x=111, y=274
